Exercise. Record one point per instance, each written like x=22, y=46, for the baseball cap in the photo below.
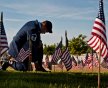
x=49, y=26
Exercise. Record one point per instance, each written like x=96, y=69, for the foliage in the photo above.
x=78, y=45
x=49, y=49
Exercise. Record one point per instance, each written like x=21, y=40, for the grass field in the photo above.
x=51, y=80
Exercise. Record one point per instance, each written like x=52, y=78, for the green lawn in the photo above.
x=51, y=80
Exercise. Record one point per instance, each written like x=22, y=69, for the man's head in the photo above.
x=46, y=27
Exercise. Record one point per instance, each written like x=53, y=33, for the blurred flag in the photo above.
x=3, y=37
x=23, y=53
x=57, y=53
x=99, y=33
x=73, y=60
x=95, y=61
x=66, y=57
x=91, y=61
x=104, y=63
x=60, y=63
x=79, y=63
x=85, y=59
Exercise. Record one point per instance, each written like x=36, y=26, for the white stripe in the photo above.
x=3, y=44
x=100, y=21
x=100, y=34
x=4, y=36
x=3, y=50
x=3, y=40
x=96, y=46
x=99, y=27
x=104, y=50
x=91, y=40
x=93, y=44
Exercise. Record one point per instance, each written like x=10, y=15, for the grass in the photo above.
x=51, y=80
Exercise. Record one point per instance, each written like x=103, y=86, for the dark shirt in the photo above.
x=31, y=29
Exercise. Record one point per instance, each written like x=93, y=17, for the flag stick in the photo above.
x=54, y=67
x=92, y=64
x=92, y=61
x=99, y=65
x=62, y=66
x=30, y=52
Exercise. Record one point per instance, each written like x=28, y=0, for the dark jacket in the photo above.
x=32, y=29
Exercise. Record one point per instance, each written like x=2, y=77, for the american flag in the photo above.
x=57, y=53
x=91, y=61
x=74, y=61
x=94, y=62
x=66, y=57
x=85, y=59
x=99, y=33
x=3, y=37
x=23, y=53
x=104, y=63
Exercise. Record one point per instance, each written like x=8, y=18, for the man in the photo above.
x=33, y=29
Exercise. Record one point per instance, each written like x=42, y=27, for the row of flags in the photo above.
x=64, y=56
x=90, y=60
x=98, y=42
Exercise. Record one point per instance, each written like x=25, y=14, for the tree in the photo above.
x=78, y=46
x=49, y=49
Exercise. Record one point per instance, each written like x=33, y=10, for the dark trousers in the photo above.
x=15, y=65
x=37, y=55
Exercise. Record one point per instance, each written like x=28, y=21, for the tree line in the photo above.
x=77, y=46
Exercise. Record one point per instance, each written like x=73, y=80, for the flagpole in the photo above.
x=62, y=66
x=54, y=67
x=0, y=34
x=99, y=65
x=30, y=52
x=92, y=60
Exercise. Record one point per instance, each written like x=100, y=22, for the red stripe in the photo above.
x=100, y=38
x=96, y=22
x=66, y=58
x=56, y=55
x=102, y=33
